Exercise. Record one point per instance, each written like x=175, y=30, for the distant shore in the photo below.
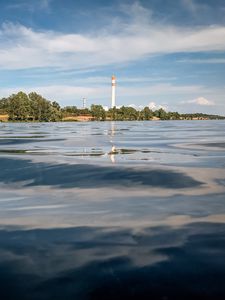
x=22, y=107
x=5, y=119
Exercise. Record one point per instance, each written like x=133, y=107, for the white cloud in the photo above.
x=146, y=79
x=160, y=89
x=195, y=7
x=31, y=6
x=137, y=107
x=153, y=106
x=190, y=5
x=201, y=101
x=204, y=61
x=23, y=47
x=62, y=93
x=101, y=91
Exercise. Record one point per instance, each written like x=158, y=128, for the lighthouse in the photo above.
x=113, y=91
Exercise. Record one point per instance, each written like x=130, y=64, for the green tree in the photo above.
x=56, y=112
x=40, y=107
x=162, y=114
x=84, y=112
x=43, y=110
x=146, y=113
x=56, y=105
x=112, y=113
x=174, y=116
x=4, y=102
x=70, y=111
x=98, y=112
x=130, y=113
x=37, y=102
x=19, y=107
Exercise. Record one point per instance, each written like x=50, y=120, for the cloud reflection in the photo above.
x=86, y=176
x=113, y=263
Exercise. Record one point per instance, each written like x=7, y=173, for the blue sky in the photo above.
x=164, y=53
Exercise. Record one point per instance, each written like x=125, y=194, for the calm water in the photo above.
x=124, y=210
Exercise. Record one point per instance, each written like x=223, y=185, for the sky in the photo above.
x=164, y=53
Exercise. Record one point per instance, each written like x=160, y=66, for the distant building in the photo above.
x=113, y=91
x=84, y=102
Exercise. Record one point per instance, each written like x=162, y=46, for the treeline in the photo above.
x=31, y=107
x=201, y=116
x=34, y=107
x=124, y=113
x=120, y=114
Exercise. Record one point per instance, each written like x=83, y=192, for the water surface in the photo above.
x=112, y=210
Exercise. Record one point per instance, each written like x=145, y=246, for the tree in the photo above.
x=174, y=116
x=162, y=114
x=130, y=113
x=146, y=113
x=56, y=112
x=19, y=107
x=112, y=113
x=70, y=110
x=43, y=110
x=98, y=112
x=40, y=108
x=84, y=112
x=123, y=113
x=56, y=105
x=37, y=102
x=4, y=102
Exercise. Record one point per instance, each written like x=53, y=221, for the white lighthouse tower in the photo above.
x=113, y=91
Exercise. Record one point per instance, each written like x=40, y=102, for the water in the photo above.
x=124, y=210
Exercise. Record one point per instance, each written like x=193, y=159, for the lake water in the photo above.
x=112, y=210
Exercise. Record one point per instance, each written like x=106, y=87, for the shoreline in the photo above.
x=90, y=121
